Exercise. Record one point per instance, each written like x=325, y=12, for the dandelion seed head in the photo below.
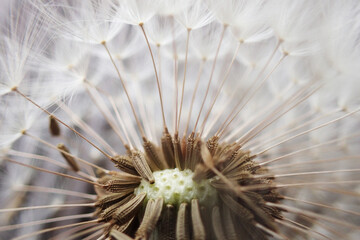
x=179, y=119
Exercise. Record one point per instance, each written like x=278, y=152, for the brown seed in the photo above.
x=111, y=198
x=69, y=159
x=142, y=166
x=236, y=207
x=212, y=144
x=121, y=185
x=128, y=210
x=108, y=212
x=54, y=127
x=151, y=217
x=196, y=155
x=124, y=228
x=177, y=153
x=141, y=231
x=229, y=224
x=217, y=223
x=197, y=224
x=155, y=159
x=167, y=226
x=182, y=223
x=124, y=164
x=168, y=148
x=189, y=148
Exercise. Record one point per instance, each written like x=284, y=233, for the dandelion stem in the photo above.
x=57, y=119
x=116, y=110
x=47, y=206
x=38, y=157
x=53, y=229
x=321, y=205
x=226, y=75
x=176, y=87
x=50, y=160
x=300, y=227
x=85, y=127
x=194, y=94
x=253, y=118
x=312, y=214
x=125, y=89
x=183, y=83
x=52, y=172
x=76, y=231
x=159, y=63
x=156, y=74
x=64, y=152
x=45, y=221
x=250, y=97
x=272, y=233
x=310, y=130
x=91, y=236
x=314, y=173
x=101, y=106
x=248, y=91
x=262, y=142
x=310, y=163
x=84, y=232
x=308, y=183
x=308, y=148
x=292, y=103
x=211, y=75
x=28, y=188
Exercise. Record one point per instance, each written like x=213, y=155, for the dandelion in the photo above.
x=204, y=119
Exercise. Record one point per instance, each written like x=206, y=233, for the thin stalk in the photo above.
x=63, y=123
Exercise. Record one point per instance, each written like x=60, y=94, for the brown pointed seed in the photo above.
x=189, y=148
x=177, y=153
x=217, y=224
x=168, y=148
x=229, y=224
x=196, y=154
x=142, y=166
x=124, y=228
x=156, y=161
x=151, y=217
x=120, y=182
x=117, y=186
x=167, y=227
x=182, y=223
x=112, y=197
x=119, y=235
x=107, y=212
x=69, y=159
x=212, y=144
x=236, y=207
x=206, y=156
x=124, y=164
x=140, y=233
x=198, y=226
x=124, y=213
x=54, y=127
x=236, y=161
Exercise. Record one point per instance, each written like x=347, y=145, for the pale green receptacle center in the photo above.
x=176, y=187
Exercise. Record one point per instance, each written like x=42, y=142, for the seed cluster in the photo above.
x=176, y=187
x=199, y=194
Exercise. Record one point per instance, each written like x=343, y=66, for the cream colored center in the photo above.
x=176, y=187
